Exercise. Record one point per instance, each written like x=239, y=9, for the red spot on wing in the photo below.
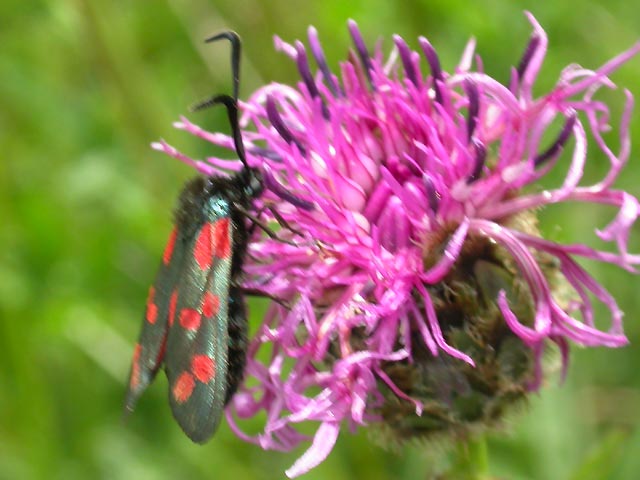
x=183, y=388
x=134, y=381
x=203, y=368
x=210, y=305
x=168, y=250
x=190, y=318
x=203, y=247
x=221, y=238
x=172, y=306
x=152, y=308
x=163, y=347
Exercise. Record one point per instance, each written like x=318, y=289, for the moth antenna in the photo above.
x=236, y=48
x=231, y=103
x=232, y=112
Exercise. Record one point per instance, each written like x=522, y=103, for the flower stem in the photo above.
x=470, y=460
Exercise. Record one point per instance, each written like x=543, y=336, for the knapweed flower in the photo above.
x=418, y=293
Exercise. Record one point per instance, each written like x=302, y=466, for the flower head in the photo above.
x=419, y=293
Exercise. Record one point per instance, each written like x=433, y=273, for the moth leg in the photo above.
x=256, y=292
x=279, y=218
x=281, y=221
x=259, y=223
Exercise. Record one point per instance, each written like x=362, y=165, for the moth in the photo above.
x=195, y=324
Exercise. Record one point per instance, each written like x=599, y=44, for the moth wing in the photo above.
x=196, y=357
x=149, y=350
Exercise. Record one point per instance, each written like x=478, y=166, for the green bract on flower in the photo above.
x=422, y=295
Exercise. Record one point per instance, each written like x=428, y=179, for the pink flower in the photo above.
x=421, y=296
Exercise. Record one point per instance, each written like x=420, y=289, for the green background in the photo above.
x=85, y=86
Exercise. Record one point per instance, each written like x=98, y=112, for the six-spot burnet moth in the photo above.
x=196, y=321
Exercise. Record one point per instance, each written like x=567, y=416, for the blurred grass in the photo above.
x=86, y=86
